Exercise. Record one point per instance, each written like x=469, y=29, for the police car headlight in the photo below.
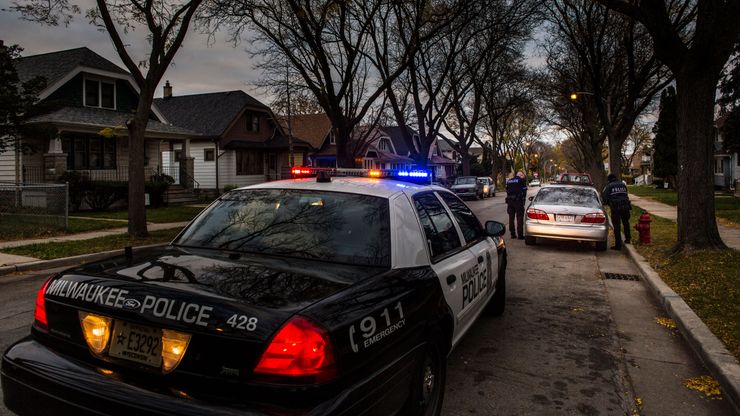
x=174, y=345
x=96, y=330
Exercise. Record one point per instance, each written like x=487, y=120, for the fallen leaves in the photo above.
x=705, y=384
x=666, y=322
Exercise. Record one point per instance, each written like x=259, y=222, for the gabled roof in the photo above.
x=210, y=114
x=443, y=146
x=311, y=128
x=396, y=135
x=55, y=65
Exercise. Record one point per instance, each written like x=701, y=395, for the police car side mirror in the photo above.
x=495, y=228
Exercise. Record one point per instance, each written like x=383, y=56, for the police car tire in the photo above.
x=434, y=363
x=497, y=304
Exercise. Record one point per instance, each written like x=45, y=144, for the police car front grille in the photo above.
x=620, y=276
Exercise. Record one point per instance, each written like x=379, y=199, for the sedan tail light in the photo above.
x=594, y=218
x=300, y=349
x=536, y=214
x=39, y=314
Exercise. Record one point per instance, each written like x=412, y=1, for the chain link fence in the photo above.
x=31, y=207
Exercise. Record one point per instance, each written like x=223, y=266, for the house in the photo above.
x=641, y=168
x=315, y=130
x=726, y=164
x=241, y=142
x=85, y=94
x=387, y=149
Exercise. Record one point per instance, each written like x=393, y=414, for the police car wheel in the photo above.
x=428, y=384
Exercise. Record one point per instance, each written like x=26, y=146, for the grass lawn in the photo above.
x=48, y=251
x=155, y=215
x=727, y=207
x=707, y=280
x=14, y=230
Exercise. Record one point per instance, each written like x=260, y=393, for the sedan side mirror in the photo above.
x=531, y=198
x=495, y=228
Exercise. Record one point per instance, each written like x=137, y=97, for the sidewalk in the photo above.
x=731, y=236
x=10, y=259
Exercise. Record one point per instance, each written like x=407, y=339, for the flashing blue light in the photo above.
x=413, y=174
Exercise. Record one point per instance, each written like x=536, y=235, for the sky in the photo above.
x=197, y=67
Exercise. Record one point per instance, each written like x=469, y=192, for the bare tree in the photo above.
x=327, y=43
x=694, y=38
x=167, y=23
x=637, y=143
x=622, y=74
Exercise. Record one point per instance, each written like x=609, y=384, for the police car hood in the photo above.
x=203, y=289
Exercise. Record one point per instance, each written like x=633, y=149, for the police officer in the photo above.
x=615, y=195
x=516, y=192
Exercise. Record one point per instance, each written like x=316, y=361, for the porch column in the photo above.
x=187, y=166
x=55, y=160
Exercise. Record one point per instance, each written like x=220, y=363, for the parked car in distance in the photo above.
x=467, y=187
x=566, y=212
x=489, y=188
x=535, y=182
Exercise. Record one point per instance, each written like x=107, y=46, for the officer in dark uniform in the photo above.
x=615, y=195
x=516, y=193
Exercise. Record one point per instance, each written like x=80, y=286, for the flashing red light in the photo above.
x=300, y=171
x=536, y=214
x=374, y=173
x=39, y=314
x=300, y=348
x=594, y=218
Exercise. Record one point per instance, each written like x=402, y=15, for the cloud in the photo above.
x=197, y=67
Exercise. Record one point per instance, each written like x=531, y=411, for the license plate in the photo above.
x=565, y=218
x=142, y=344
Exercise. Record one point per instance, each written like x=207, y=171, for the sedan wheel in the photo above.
x=601, y=245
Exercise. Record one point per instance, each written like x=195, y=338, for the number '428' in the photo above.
x=242, y=322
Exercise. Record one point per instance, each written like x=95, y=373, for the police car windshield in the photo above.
x=466, y=180
x=574, y=197
x=327, y=226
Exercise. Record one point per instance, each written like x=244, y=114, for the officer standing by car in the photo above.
x=516, y=192
x=615, y=195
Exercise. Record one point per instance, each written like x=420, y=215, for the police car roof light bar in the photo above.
x=325, y=174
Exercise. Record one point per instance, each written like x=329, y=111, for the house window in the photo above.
x=384, y=145
x=89, y=152
x=332, y=140
x=100, y=93
x=177, y=155
x=249, y=162
x=209, y=155
x=253, y=122
x=719, y=166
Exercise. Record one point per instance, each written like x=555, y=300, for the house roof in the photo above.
x=55, y=65
x=396, y=135
x=210, y=114
x=443, y=146
x=441, y=160
x=280, y=142
x=475, y=151
x=311, y=128
x=88, y=117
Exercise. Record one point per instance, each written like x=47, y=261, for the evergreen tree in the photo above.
x=16, y=98
x=665, y=157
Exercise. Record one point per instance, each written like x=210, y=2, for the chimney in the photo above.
x=167, y=90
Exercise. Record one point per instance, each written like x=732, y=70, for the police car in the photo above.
x=318, y=295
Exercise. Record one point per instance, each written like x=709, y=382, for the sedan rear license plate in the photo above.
x=565, y=218
x=142, y=344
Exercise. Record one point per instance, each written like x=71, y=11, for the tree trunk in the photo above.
x=595, y=167
x=136, y=177
x=615, y=155
x=697, y=223
x=465, y=159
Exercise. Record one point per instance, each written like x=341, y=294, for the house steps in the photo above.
x=179, y=195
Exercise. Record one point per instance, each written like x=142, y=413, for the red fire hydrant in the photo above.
x=643, y=228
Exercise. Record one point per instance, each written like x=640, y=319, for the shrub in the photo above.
x=157, y=188
x=78, y=185
x=101, y=195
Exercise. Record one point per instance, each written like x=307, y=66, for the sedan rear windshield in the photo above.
x=465, y=181
x=327, y=226
x=574, y=197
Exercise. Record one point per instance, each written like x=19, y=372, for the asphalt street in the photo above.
x=569, y=343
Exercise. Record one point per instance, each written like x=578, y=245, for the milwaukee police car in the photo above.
x=318, y=295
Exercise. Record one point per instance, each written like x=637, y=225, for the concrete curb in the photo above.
x=68, y=261
x=715, y=356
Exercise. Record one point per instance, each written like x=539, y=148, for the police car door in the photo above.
x=478, y=282
x=449, y=259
